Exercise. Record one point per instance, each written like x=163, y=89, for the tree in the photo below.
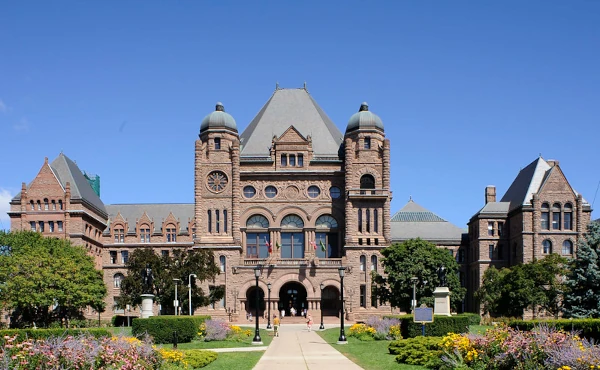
x=535, y=285
x=179, y=265
x=583, y=281
x=419, y=258
x=47, y=279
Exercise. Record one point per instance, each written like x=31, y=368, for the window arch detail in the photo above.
x=367, y=182
x=326, y=222
x=567, y=247
x=257, y=222
x=292, y=221
x=546, y=246
x=222, y=263
x=118, y=279
x=363, y=263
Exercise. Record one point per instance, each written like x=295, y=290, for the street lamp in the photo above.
x=342, y=338
x=190, y=290
x=322, y=286
x=176, y=302
x=269, y=305
x=257, y=339
x=414, y=280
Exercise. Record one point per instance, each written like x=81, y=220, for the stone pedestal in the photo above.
x=147, y=303
x=442, y=301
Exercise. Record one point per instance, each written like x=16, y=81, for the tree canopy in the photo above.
x=46, y=279
x=178, y=265
x=583, y=282
x=421, y=259
x=535, y=285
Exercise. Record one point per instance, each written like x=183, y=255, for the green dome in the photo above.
x=364, y=119
x=218, y=119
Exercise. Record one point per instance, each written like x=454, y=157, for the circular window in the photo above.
x=270, y=191
x=217, y=181
x=249, y=191
x=335, y=192
x=313, y=191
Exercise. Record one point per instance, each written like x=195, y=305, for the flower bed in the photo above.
x=212, y=330
x=376, y=328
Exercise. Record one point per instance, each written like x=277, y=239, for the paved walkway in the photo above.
x=296, y=349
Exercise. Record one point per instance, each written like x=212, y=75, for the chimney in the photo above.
x=490, y=194
x=552, y=162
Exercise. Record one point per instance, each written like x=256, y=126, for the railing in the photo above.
x=291, y=261
x=368, y=193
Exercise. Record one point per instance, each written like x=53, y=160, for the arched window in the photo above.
x=46, y=204
x=545, y=216
x=375, y=221
x=556, y=216
x=567, y=247
x=374, y=263
x=326, y=237
x=53, y=205
x=32, y=205
x=60, y=204
x=292, y=241
x=209, y=221
x=363, y=263
x=39, y=205
x=568, y=217
x=222, y=263
x=546, y=246
x=257, y=221
x=367, y=182
x=118, y=279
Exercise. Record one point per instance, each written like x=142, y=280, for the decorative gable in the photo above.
x=291, y=135
x=45, y=184
x=555, y=185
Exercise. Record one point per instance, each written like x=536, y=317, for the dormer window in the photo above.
x=300, y=160
x=217, y=143
x=284, y=160
x=292, y=160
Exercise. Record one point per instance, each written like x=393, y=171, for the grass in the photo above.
x=235, y=360
x=372, y=355
x=479, y=329
x=120, y=330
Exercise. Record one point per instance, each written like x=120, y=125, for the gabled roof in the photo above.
x=414, y=221
x=288, y=107
x=65, y=171
x=526, y=183
x=157, y=212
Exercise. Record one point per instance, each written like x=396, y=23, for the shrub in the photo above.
x=383, y=327
x=422, y=351
x=162, y=328
x=362, y=332
x=215, y=330
x=440, y=326
x=587, y=328
x=197, y=358
x=474, y=319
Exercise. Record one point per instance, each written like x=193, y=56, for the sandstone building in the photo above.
x=295, y=196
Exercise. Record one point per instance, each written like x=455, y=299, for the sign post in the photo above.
x=423, y=315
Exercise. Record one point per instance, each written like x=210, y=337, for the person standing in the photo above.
x=276, y=324
x=309, y=322
x=282, y=313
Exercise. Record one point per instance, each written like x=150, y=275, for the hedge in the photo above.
x=161, y=328
x=440, y=326
x=587, y=328
x=24, y=334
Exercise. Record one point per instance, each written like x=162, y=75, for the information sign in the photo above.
x=423, y=314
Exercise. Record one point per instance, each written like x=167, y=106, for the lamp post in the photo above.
x=176, y=302
x=257, y=339
x=269, y=307
x=322, y=286
x=190, y=290
x=342, y=338
x=414, y=280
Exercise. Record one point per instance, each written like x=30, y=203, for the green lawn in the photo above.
x=235, y=361
x=479, y=329
x=372, y=355
x=120, y=330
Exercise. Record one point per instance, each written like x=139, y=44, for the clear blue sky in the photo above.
x=469, y=91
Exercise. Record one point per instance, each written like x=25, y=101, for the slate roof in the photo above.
x=157, y=212
x=526, y=183
x=285, y=108
x=496, y=207
x=414, y=221
x=65, y=171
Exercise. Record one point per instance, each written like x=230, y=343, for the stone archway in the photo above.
x=292, y=295
x=251, y=300
x=330, y=301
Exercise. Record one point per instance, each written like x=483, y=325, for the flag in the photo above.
x=313, y=244
x=269, y=245
x=278, y=245
x=323, y=247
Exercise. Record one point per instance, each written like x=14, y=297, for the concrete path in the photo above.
x=296, y=349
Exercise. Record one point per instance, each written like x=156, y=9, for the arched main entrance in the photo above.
x=331, y=301
x=292, y=295
x=251, y=300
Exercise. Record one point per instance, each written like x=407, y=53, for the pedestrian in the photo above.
x=309, y=322
x=276, y=324
x=282, y=313
x=250, y=316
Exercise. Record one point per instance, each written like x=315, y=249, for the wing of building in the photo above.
x=298, y=197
